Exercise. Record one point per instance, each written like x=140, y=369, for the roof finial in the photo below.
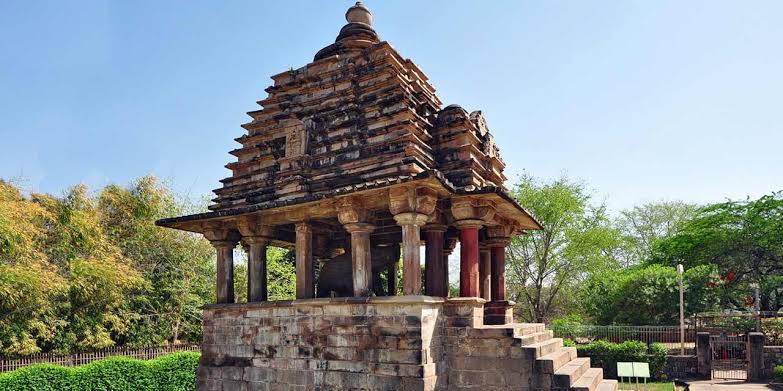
x=359, y=14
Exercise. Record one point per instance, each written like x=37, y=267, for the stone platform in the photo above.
x=382, y=343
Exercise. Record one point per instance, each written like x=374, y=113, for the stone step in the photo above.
x=553, y=361
x=540, y=349
x=589, y=380
x=528, y=328
x=536, y=337
x=608, y=385
x=569, y=373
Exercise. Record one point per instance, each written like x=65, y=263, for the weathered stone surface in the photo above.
x=384, y=343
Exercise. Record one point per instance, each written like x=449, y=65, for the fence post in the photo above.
x=703, y=354
x=755, y=356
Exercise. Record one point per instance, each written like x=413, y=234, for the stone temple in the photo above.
x=354, y=163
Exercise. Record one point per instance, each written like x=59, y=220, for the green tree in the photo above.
x=743, y=238
x=645, y=225
x=545, y=267
x=178, y=267
x=649, y=295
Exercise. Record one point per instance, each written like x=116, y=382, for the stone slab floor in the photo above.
x=727, y=385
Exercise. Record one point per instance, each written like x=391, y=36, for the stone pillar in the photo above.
x=391, y=279
x=411, y=265
x=433, y=262
x=498, y=270
x=411, y=207
x=469, y=258
x=756, y=356
x=360, y=258
x=484, y=272
x=305, y=288
x=704, y=355
x=256, y=268
x=451, y=244
x=225, y=270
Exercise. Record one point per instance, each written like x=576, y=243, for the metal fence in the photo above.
x=740, y=323
x=667, y=335
x=11, y=363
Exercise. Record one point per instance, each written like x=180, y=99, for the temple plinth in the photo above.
x=353, y=163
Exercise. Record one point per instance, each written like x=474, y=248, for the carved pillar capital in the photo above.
x=359, y=227
x=501, y=232
x=351, y=210
x=224, y=244
x=407, y=199
x=469, y=223
x=410, y=218
x=303, y=228
x=222, y=236
x=251, y=227
x=470, y=210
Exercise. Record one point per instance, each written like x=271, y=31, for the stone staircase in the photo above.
x=557, y=367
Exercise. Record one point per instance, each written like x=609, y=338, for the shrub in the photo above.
x=607, y=354
x=173, y=372
x=116, y=373
x=778, y=373
x=177, y=372
x=41, y=377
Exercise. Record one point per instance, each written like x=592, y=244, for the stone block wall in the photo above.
x=381, y=343
x=681, y=367
x=773, y=355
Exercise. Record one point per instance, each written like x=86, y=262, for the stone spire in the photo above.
x=359, y=14
x=356, y=34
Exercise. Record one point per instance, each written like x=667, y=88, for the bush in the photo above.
x=607, y=354
x=778, y=373
x=173, y=372
x=41, y=377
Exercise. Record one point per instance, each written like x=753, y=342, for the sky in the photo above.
x=641, y=100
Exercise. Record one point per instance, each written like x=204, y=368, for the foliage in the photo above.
x=773, y=329
x=175, y=372
x=643, y=226
x=87, y=271
x=571, y=320
x=545, y=267
x=778, y=373
x=607, y=354
x=649, y=295
x=743, y=238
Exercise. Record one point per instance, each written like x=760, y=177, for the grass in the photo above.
x=665, y=386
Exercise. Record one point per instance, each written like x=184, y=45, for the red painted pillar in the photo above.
x=484, y=272
x=448, y=248
x=498, y=266
x=434, y=258
x=469, y=257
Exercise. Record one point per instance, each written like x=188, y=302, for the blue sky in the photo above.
x=643, y=100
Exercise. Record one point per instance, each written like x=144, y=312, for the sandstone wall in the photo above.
x=383, y=343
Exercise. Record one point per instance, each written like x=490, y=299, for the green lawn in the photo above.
x=668, y=386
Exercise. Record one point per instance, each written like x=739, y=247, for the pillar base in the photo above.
x=499, y=312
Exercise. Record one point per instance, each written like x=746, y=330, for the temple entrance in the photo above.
x=729, y=357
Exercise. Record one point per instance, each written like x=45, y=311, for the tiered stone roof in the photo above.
x=359, y=113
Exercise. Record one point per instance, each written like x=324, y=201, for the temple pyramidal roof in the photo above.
x=359, y=117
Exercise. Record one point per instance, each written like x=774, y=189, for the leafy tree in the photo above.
x=649, y=295
x=545, y=267
x=85, y=271
x=178, y=267
x=645, y=225
x=743, y=238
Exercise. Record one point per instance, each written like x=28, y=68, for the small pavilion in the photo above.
x=353, y=163
x=353, y=156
